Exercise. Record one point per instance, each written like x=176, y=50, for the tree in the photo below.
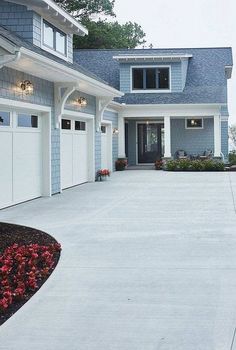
x=86, y=9
x=111, y=35
x=102, y=33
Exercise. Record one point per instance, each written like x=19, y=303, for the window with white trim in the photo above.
x=27, y=121
x=194, y=123
x=80, y=126
x=54, y=39
x=151, y=78
x=4, y=118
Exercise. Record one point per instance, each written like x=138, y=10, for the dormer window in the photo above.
x=54, y=39
x=151, y=78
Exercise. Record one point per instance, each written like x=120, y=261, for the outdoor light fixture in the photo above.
x=81, y=102
x=27, y=87
x=115, y=131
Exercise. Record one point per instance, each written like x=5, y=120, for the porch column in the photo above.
x=217, y=136
x=121, y=137
x=167, y=132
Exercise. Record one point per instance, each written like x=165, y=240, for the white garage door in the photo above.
x=20, y=157
x=106, y=147
x=74, y=152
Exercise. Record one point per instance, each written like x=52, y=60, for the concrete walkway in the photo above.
x=148, y=263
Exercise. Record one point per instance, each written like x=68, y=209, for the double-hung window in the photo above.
x=153, y=78
x=54, y=39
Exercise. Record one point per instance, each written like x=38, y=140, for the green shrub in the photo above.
x=232, y=158
x=194, y=165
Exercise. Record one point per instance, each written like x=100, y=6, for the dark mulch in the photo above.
x=10, y=234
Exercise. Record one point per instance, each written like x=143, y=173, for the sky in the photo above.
x=186, y=23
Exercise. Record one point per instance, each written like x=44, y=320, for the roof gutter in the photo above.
x=10, y=58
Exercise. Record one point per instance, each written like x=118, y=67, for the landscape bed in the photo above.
x=27, y=258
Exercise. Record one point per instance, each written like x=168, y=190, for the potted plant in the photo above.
x=158, y=164
x=102, y=174
x=121, y=164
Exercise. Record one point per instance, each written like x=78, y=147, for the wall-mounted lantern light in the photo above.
x=27, y=87
x=115, y=131
x=81, y=102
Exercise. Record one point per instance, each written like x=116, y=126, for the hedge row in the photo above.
x=194, y=165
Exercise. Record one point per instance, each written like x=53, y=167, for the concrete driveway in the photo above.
x=148, y=263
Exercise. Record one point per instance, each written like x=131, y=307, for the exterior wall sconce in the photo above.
x=115, y=131
x=81, y=102
x=27, y=87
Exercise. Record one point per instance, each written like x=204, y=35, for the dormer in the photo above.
x=153, y=73
x=43, y=23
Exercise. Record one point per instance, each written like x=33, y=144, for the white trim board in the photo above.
x=158, y=111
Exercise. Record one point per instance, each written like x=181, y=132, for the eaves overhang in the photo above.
x=48, y=69
x=49, y=10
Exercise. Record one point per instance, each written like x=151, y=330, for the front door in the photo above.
x=150, y=142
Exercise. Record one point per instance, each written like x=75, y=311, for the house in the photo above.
x=64, y=113
x=174, y=99
x=55, y=128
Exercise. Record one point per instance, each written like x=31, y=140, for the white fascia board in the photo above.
x=8, y=46
x=151, y=57
x=171, y=110
x=105, y=90
x=44, y=7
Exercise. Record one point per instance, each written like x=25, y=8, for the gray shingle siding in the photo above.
x=89, y=109
x=113, y=117
x=98, y=151
x=224, y=139
x=18, y=19
x=194, y=142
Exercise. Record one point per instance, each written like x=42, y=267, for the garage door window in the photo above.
x=103, y=129
x=27, y=121
x=66, y=124
x=4, y=118
x=80, y=126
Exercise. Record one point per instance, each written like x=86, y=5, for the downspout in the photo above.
x=15, y=58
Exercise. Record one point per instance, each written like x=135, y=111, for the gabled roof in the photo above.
x=51, y=11
x=206, y=77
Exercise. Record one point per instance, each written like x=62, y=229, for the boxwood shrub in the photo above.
x=194, y=165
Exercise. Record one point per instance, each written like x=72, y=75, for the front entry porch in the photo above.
x=149, y=139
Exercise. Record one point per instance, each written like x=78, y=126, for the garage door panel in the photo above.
x=67, y=160
x=27, y=166
x=74, y=153
x=6, y=169
x=80, y=159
